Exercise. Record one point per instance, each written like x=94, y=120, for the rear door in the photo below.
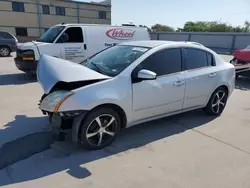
x=72, y=44
x=201, y=77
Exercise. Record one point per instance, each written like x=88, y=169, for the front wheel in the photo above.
x=100, y=128
x=217, y=102
x=4, y=51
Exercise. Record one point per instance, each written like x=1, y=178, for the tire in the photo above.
x=4, y=51
x=93, y=134
x=217, y=102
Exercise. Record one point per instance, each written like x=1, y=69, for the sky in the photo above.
x=176, y=12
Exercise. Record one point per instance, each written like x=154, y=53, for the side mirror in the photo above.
x=146, y=75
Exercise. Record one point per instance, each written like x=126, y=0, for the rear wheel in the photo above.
x=100, y=128
x=217, y=102
x=4, y=51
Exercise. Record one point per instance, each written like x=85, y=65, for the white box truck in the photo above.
x=75, y=42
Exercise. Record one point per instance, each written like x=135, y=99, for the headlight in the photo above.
x=28, y=55
x=54, y=100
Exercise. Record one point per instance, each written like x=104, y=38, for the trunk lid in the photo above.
x=51, y=71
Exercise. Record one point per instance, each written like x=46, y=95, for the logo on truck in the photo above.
x=120, y=34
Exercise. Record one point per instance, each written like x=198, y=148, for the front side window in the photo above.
x=50, y=35
x=165, y=62
x=18, y=7
x=71, y=35
x=114, y=60
x=195, y=59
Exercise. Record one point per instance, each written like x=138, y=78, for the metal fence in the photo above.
x=219, y=42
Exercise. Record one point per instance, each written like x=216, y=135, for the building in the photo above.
x=28, y=19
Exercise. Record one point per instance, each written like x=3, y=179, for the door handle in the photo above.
x=179, y=83
x=85, y=47
x=212, y=75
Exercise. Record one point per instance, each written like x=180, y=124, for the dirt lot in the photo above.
x=189, y=150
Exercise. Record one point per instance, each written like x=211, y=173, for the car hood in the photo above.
x=30, y=45
x=51, y=71
x=242, y=54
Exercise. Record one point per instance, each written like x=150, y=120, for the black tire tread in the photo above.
x=89, y=118
x=208, y=109
x=8, y=49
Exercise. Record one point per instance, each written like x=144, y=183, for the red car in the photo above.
x=241, y=61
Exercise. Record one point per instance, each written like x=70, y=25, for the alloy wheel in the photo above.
x=4, y=51
x=101, y=130
x=219, y=101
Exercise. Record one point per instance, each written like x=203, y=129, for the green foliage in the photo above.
x=213, y=26
x=201, y=26
x=163, y=28
x=149, y=29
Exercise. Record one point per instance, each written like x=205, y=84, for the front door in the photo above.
x=72, y=45
x=201, y=77
x=165, y=94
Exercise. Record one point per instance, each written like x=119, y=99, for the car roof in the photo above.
x=2, y=31
x=98, y=25
x=147, y=43
x=155, y=43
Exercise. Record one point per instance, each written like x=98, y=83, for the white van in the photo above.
x=75, y=42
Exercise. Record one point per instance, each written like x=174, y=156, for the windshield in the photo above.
x=248, y=47
x=114, y=60
x=50, y=35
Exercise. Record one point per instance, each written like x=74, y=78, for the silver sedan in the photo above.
x=129, y=84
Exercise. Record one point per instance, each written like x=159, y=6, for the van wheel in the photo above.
x=217, y=102
x=100, y=128
x=4, y=51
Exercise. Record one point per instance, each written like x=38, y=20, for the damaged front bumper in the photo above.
x=66, y=122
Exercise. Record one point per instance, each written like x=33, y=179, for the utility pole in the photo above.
x=38, y=16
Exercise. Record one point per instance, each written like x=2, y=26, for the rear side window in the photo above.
x=195, y=59
x=210, y=59
x=5, y=35
x=164, y=62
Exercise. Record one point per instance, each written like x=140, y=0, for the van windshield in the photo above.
x=50, y=35
x=114, y=60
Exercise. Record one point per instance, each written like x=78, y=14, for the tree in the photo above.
x=247, y=26
x=145, y=27
x=162, y=28
x=213, y=26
